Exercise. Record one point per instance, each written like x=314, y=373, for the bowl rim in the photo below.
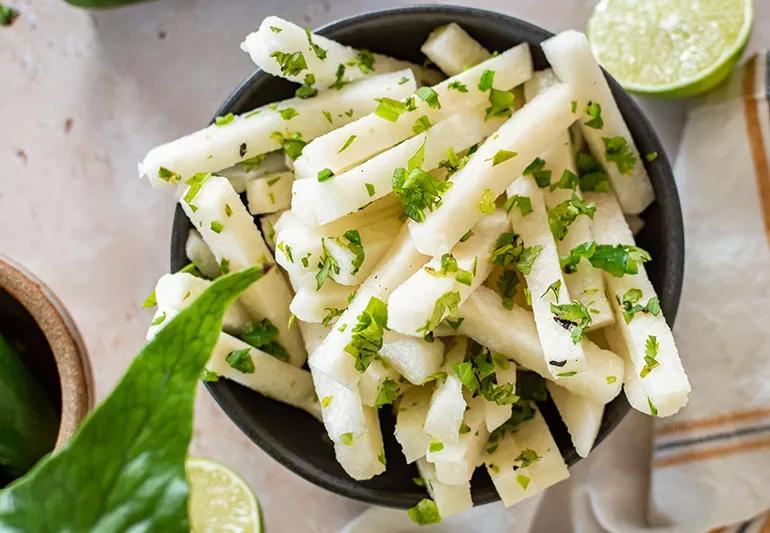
x=674, y=274
x=64, y=339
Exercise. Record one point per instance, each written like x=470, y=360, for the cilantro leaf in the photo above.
x=364, y=60
x=573, y=317
x=446, y=306
x=458, y=86
x=527, y=457
x=501, y=156
x=594, y=110
x=425, y=512
x=618, y=259
x=562, y=215
x=507, y=285
x=537, y=170
x=241, y=361
x=524, y=203
x=486, y=80
x=325, y=175
x=291, y=63
x=629, y=305
x=593, y=177
x=568, y=180
x=429, y=96
x=326, y=266
x=306, y=90
x=421, y=124
x=353, y=238
x=501, y=104
x=554, y=287
x=387, y=393
x=224, y=120
x=347, y=143
x=319, y=52
x=619, y=152
x=366, y=342
x=416, y=189
x=390, y=109
x=651, y=347
x=486, y=203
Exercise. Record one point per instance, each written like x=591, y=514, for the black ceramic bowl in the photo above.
x=293, y=437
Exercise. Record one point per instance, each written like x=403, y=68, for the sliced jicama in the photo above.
x=410, y=418
x=342, y=410
x=585, y=284
x=267, y=224
x=600, y=119
x=229, y=231
x=456, y=461
x=235, y=139
x=284, y=49
x=447, y=404
x=505, y=373
x=561, y=347
x=450, y=499
x=453, y=50
x=320, y=306
x=397, y=264
x=512, y=333
x=351, y=144
x=179, y=290
x=256, y=167
x=550, y=468
x=503, y=461
x=270, y=193
x=492, y=167
x=580, y=414
x=364, y=457
x=312, y=334
x=380, y=383
x=436, y=290
x=657, y=369
x=414, y=358
x=199, y=254
x=373, y=178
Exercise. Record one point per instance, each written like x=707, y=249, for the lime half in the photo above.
x=220, y=500
x=670, y=48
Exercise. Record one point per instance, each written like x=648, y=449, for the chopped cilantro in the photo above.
x=429, y=96
x=421, y=124
x=325, y=175
x=653, y=409
x=501, y=104
x=150, y=301
x=275, y=29
x=527, y=457
x=286, y=249
x=327, y=266
x=507, y=285
x=353, y=238
x=216, y=226
x=486, y=80
x=573, y=317
x=592, y=175
x=195, y=184
x=486, y=203
x=208, y=376
x=458, y=86
x=416, y=189
x=537, y=170
x=573, y=105
x=468, y=234
x=348, y=142
x=562, y=215
x=346, y=439
x=328, y=116
x=226, y=119
x=224, y=266
x=618, y=260
x=629, y=305
x=228, y=211
x=554, y=287
x=446, y=306
x=524, y=203
x=611, y=380
x=370, y=189
x=367, y=335
x=326, y=401
x=619, y=152
x=331, y=315
x=403, y=80
x=364, y=60
x=306, y=90
x=594, y=110
x=168, y=176
x=291, y=63
x=425, y=512
x=262, y=335
x=391, y=109
x=292, y=144
x=339, y=82
x=387, y=393
x=381, y=457
x=319, y=52
x=241, y=361
x=502, y=156
x=158, y=320
x=651, y=156
x=522, y=480
x=651, y=347
x=435, y=446
x=568, y=180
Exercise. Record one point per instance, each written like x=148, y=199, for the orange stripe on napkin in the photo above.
x=703, y=455
x=756, y=143
x=738, y=416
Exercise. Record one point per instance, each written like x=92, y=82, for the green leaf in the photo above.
x=223, y=120
x=619, y=152
x=387, y=393
x=332, y=314
x=486, y=203
x=425, y=512
x=291, y=63
x=390, y=109
x=366, y=341
x=527, y=457
x=216, y=226
x=417, y=190
x=524, y=203
x=347, y=143
x=126, y=461
x=507, y=286
x=527, y=258
x=421, y=124
x=501, y=156
x=594, y=110
x=554, y=287
x=446, y=306
x=537, y=170
x=168, y=175
x=486, y=80
x=465, y=373
x=346, y=439
x=574, y=317
x=241, y=361
x=651, y=156
x=429, y=96
x=288, y=113
x=370, y=189
x=618, y=259
x=151, y=300
x=651, y=347
x=501, y=104
x=458, y=86
x=364, y=60
x=562, y=215
x=568, y=180
x=593, y=177
x=611, y=380
x=194, y=185
x=353, y=244
x=319, y=52
x=653, y=409
x=325, y=175
x=7, y=15
x=326, y=266
x=435, y=446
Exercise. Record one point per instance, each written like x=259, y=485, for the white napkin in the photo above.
x=709, y=466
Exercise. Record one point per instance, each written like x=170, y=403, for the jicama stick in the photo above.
x=453, y=50
x=373, y=178
x=657, y=369
x=351, y=144
x=267, y=225
x=580, y=414
x=397, y=264
x=496, y=415
x=311, y=305
x=435, y=291
x=199, y=254
x=450, y=499
x=236, y=139
x=179, y=290
x=559, y=337
x=270, y=193
x=447, y=404
x=284, y=49
x=261, y=372
x=364, y=457
x=456, y=461
x=512, y=333
x=550, y=468
x=585, y=284
x=380, y=384
x=601, y=122
x=410, y=418
x=312, y=334
x=492, y=167
x=414, y=358
x=342, y=410
x=256, y=167
x=229, y=231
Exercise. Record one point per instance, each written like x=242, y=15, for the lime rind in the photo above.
x=621, y=52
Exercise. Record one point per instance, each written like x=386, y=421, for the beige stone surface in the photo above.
x=83, y=95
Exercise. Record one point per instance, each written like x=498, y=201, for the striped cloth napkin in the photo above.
x=708, y=467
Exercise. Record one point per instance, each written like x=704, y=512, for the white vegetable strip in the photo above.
x=571, y=58
x=580, y=414
x=456, y=461
x=364, y=457
x=289, y=38
x=342, y=410
x=398, y=263
x=312, y=334
x=179, y=290
x=450, y=499
x=374, y=134
x=270, y=193
x=447, y=404
x=530, y=131
x=242, y=173
x=370, y=384
x=350, y=190
x=246, y=136
x=533, y=434
x=413, y=357
x=666, y=386
x=563, y=355
x=453, y=50
x=240, y=244
x=310, y=305
x=512, y=481
x=512, y=333
x=410, y=418
x=505, y=372
x=413, y=303
x=199, y=254
x=267, y=224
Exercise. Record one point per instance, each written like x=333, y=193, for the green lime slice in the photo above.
x=671, y=48
x=220, y=500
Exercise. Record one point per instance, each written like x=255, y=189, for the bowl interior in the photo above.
x=296, y=439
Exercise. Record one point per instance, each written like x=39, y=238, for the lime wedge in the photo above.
x=671, y=48
x=220, y=500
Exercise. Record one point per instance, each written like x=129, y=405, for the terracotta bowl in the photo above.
x=35, y=315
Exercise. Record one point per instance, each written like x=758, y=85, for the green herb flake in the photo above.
x=458, y=86
x=425, y=512
x=207, y=376
x=364, y=60
x=464, y=428
x=446, y=306
x=501, y=156
x=326, y=401
x=353, y=238
x=327, y=266
x=339, y=76
x=617, y=260
x=224, y=266
x=216, y=226
x=539, y=173
x=346, y=439
x=651, y=156
x=169, y=176
x=420, y=482
x=465, y=373
x=501, y=104
x=223, y=120
x=653, y=409
x=630, y=306
x=403, y=80
x=573, y=106
x=651, y=348
x=228, y=210
x=568, y=180
x=328, y=117
x=611, y=380
x=523, y=481
x=421, y=124
x=416, y=189
x=574, y=317
x=158, y=320
x=390, y=109
x=325, y=175
x=150, y=301
x=291, y=63
x=468, y=234
x=347, y=143
x=486, y=203
x=524, y=203
x=562, y=215
x=366, y=340
x=618, y=151
x=554, y=287
x=429, y=96
x=275, y=29
x=319, y=52
x=370, y=189
x=332, y=313
x=486, y=80
x=387, y=393
x=288, y=113
x=381, y=457
x=241, y=361
x=592, y=174
x=435, y=446
x=594, y=110
x=527, y=457
x=566, y=374
x=306, y=90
